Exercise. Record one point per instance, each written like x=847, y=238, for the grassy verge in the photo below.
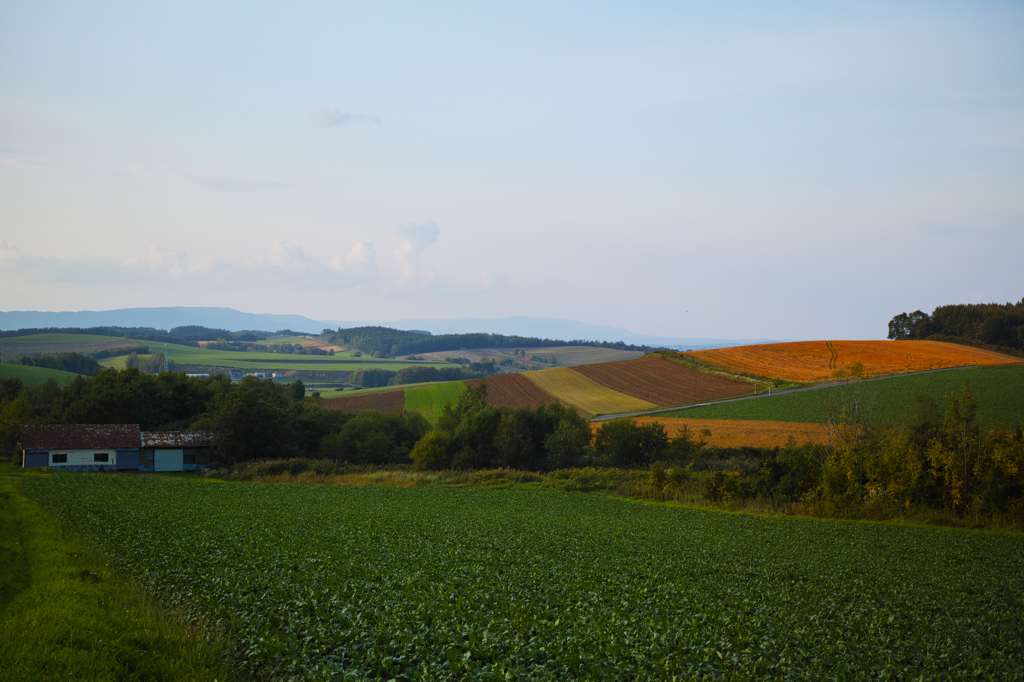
x=65, y=613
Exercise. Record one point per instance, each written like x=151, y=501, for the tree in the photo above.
x=431, y=453
x=251, y=423
x=956, y=454
x=512, y=441
x=624, y=443
x=569, y=444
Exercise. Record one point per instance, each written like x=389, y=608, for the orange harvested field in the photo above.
x=815, y=361
x=513, y=390
x=661, y=382
x=734, y=433
x=383, y=401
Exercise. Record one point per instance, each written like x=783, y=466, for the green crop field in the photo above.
x=34, y=375
x=428, y=400
x=1000, y=389
x=58, y=338
x=446, y=584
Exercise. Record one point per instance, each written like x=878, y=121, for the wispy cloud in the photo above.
x=285, y=266
x=328, y=117
x=193, y=180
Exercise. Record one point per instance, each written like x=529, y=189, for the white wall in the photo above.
x=80, y=457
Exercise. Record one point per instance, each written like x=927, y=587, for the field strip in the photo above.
x=735, y=433
x=428, y=400
x=383, y=401
x=766, y=396
x=513, y=390
x=575, y=389
x=661, y=382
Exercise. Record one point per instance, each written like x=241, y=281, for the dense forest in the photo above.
x=395, y=342
x=1000, y=326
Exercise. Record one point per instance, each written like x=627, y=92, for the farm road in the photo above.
x=606, y=417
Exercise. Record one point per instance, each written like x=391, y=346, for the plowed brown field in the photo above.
x=813, y=361
x=384, y=401
x=734, y=433
x=513, y=390
x=661, y=382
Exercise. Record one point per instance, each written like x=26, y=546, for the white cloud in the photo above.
x=328, y=117
x=412, y=240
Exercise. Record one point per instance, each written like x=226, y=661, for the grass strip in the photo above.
x=65, y=613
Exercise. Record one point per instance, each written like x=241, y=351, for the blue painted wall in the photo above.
x=37, y=459
x=127, y=459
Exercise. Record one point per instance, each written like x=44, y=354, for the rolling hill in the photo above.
x=817, y=361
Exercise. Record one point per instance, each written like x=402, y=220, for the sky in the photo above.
x=724, y=170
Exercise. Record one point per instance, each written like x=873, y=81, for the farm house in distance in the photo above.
x=113, y=447
x=81, y=447
x=175, y=450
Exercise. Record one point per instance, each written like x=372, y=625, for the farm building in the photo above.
x=113, y=447
x=175, y=450
x=81, y=447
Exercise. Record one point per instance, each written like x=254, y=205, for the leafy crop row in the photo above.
x=444, y=584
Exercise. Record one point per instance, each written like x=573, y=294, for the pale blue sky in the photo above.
x=689, y=170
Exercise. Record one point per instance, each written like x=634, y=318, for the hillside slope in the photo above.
x=817, y=361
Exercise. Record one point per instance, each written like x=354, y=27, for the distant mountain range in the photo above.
x=234, y=320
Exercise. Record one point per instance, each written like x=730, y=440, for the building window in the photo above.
x=60, y=459
x=189, y=459
x=100, y=457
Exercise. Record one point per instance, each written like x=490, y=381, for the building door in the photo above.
x=168, y=460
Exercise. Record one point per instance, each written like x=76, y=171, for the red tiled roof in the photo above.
x=176, y=439
x=79, y=436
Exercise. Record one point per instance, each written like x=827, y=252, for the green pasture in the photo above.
x=34, y=375
x=428, y=400
x=343, y=362
x=1000, y=389
x=60, y=338
x=429, y=583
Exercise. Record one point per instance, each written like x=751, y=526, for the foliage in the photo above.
x=992, y=324
x=66, y=362
x=445, y=584
x=372, y=437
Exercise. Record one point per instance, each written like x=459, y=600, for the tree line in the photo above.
x=991, y=324
x=396, y=342
x=374, y=378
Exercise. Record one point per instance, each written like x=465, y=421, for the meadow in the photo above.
x=34, y=375
x=445, y=584
x=428, y=400
x=1000, y=389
